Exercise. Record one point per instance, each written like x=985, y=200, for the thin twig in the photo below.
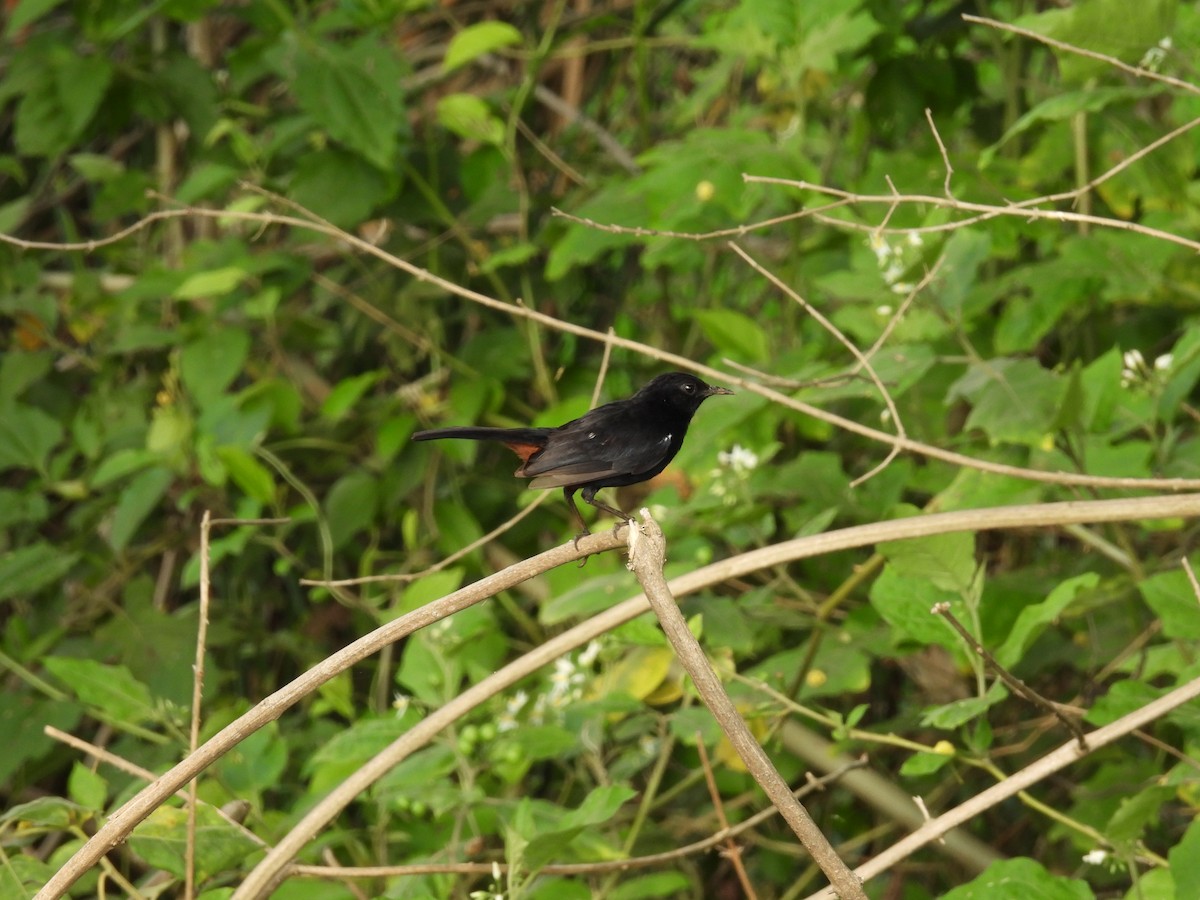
x=1018, y=686
x=903, y=443
x=1048, y=765
x=405, y=577
x=733, y=852
x=942, y=150
x=840, y=336
x=1137, y=71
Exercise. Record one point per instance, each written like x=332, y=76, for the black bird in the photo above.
x=623, y=442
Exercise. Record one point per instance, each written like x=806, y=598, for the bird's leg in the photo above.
x=569, y=493
x=589, y=497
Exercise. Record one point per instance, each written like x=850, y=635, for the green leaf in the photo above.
x=213, y=283
x=20, y=370
x=28, y=569
x=1065, y=105
x=659, y=884
x=1014, y=401
x=924, y=764
x=255, y=479
x=1185, y=862
x=733, y=333
x=431, y=587
x=59, y=105
x=351, y=506
x=476, y=40
x=510, y=256
x=209, y=364
x=161, y=840
x=1020, y=879
x=27, y=12
x=110, y=689
x=952, y=715
x=122, y=463
x=256, y=763
x=339, y=186
x=539, y=742
x=598, y=807
x=20, y=507
x=1171, y=597
x=946, y=560
x=469, y=117
x=1112, y=27
x=347, y=392
x=353, y=92
x=87, y=788
x=906, y=601
x=50, y=812
x=1138, y=811
x=1033, y=618
x=27, y=437
x=138, y=499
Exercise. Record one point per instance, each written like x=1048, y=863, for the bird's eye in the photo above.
x=689, y=388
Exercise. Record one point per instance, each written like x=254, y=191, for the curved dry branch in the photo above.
x=1068, y=479
x=1039, y=515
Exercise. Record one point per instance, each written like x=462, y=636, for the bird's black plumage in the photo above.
x=623, y=442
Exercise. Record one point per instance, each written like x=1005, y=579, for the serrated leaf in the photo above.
x=110, y=689
x=1171, y=597
x=476, y=40
x=162, y=838
x=354, y=93
x=208, y=365
x=1020, y=879
x=27, y=437
x=28, y=569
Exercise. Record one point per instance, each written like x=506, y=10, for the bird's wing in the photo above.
x=599, y=445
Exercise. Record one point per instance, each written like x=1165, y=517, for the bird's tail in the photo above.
x=534, y=437
x=525, y=442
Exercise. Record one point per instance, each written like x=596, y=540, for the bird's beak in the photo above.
x=718, y=390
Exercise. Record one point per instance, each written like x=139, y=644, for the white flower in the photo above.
x=738, y=458
x=902, y=287
x=879, y=246
x=914, y=239
x=1095, y=857
x=883, y=310
x=589, y=654
x=1133, y=359
x=400, y=703
x=1162, y=363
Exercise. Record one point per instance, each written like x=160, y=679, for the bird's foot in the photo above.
x=582, y=534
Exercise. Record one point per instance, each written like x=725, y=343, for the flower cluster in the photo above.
x=566, y=687
x=736, y=464
x=1135, y=371
x=896, y=259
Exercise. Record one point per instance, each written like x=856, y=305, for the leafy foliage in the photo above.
x=213, y=362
